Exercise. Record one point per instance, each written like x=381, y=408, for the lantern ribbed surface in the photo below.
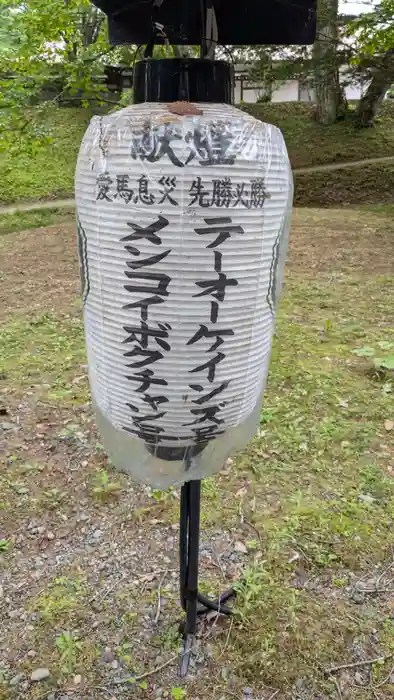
x=182, y=230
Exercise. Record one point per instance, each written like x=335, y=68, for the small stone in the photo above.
x=158, y=692
x=77, y=680
x=8, y=426
x=209, y=651
x=16, y=679
x=31, y=654
x=358, y=678
x=41, y=530
x=22, y=491
x=108, y=656
x=166, y=560
x=159, y=660
x=366, y=498
x=40, y=674
x=240, y=547
x=50, y=535
x=115, y=665
x=225, y=673
x=97, y=534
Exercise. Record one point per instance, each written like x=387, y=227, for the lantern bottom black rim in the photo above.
x=176, y=454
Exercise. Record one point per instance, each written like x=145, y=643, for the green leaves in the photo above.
x=106, y=489
x=69, y=648
x=381, y=361
x=374, y=30
x=178, y=693
x=364, y=352
x=48, y=52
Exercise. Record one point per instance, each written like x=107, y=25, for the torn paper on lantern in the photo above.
x=182, y=228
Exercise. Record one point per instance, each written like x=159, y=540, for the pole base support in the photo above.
x=194, y=604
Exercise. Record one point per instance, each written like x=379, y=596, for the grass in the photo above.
x=372, y=185
x=12, y=223
x=310, y=143
x=41, y=354
x=48, y=172
x=311, y=498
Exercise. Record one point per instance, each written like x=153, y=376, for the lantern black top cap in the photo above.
x=241, y=22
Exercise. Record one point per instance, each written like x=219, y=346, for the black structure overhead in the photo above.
x=189, y=79
x=241, y=22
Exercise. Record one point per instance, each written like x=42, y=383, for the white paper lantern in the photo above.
x=182, y=227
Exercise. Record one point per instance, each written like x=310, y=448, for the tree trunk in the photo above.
x=91, y=25
x=382, y=80
x=325, y=59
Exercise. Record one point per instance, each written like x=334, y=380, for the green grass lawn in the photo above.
x=306, y=511
x=20, y=221
x=310, y=143
x=48, y=172
x=372, y=184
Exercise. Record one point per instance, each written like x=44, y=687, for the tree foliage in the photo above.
x=374, y=30
x=56, y=51
x=374, y=36
x=64, y=40
x=49, y=52
x=362, y=47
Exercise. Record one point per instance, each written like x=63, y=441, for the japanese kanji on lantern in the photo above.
x=183, y=222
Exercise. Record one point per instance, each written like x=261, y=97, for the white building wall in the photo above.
x=252, y=94
x=290, y=91
x=237, y=92
x=354, y=92
x=285, y=92
x=307, y=94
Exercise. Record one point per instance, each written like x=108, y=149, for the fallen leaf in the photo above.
x=389, y=425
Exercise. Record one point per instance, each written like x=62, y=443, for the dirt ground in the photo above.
x=302, y=521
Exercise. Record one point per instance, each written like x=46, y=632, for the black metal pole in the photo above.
x=189, y=542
